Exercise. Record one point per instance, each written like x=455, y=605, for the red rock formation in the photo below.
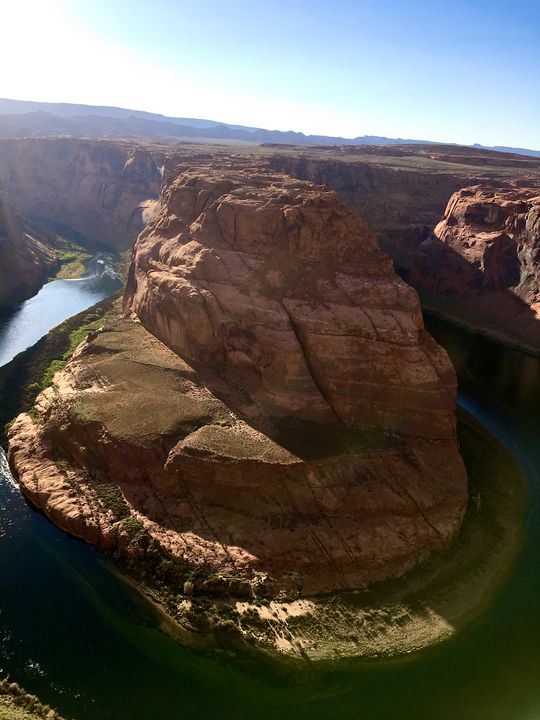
x=303, y=429
x=25, y=260
x=104, y=190
x=394, y=202
x=484, y=257
x=402, y=191
x=274, y=288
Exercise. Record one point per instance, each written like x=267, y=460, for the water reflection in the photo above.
x=490, y=370
x=57, y=300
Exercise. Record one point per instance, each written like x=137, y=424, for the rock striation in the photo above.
x=25, y=259
x=104, y=190
x=273, y=288
x=271, y=409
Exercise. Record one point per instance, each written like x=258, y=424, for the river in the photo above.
x=73, y=632
x=57, y=300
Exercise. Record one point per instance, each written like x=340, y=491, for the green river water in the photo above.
x=74, y=633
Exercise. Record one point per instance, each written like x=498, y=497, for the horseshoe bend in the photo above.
x=269, y=361
x=269, y=415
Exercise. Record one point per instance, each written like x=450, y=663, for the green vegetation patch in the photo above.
x=32, y=371
x=75, y=337
x=72, y=263
x=109, y=495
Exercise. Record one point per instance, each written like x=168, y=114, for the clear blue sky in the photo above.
x=455, y=71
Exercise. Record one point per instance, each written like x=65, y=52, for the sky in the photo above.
x=463, y=71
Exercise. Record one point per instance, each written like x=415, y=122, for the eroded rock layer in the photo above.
x=402, y=193
x=298, y=430
x=280, y=296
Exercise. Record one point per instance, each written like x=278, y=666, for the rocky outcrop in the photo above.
x=25, y=259
x=273, y=288
x=482, y=261
x=298, y=431
x=474, y=262
x=105, y=190
x=388, y=198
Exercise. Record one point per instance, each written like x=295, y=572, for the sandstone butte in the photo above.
x=25, y=258
x=270, y=407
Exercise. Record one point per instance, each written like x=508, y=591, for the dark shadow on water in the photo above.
x=479, y=298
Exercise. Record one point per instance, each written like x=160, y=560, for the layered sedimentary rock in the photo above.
x=274, y=289
x=390, y=199
x=400, y=204
x=291, y=422
x=482, y=261
x=472, y=264
x=104, y=190
x=25, y=259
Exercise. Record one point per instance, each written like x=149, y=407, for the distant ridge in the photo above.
x=26, y=117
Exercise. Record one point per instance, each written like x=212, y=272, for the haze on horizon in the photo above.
x=421, y=69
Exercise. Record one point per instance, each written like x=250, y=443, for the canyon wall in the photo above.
x=25, y=258
x=401, y=206
x=467, y=239
x=481, y=264
x=271, y=408
x=102, y=189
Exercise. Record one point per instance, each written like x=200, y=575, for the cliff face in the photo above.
x=274, y=288
x=482, y=261
x=102, y=189
x=400, y=205
x=25, y=260
x=301, y=434
x=475, y=262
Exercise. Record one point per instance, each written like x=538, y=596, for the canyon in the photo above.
x=108, y=190
x=266, y=417
x=54, y=193
x=301, y=435
x=408, y=193
x=26, y=259
x=104, y=191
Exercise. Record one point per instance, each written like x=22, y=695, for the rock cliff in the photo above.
x=105, y=190
x=400, y=204
x=25, y=259
x=482, y=261
x=274, y=288
x=390, y=199
x=474, y=262
x=282, y=418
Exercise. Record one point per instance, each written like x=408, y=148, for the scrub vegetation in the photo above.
x=17, y=704
x=427, y=605
x=32, y=371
